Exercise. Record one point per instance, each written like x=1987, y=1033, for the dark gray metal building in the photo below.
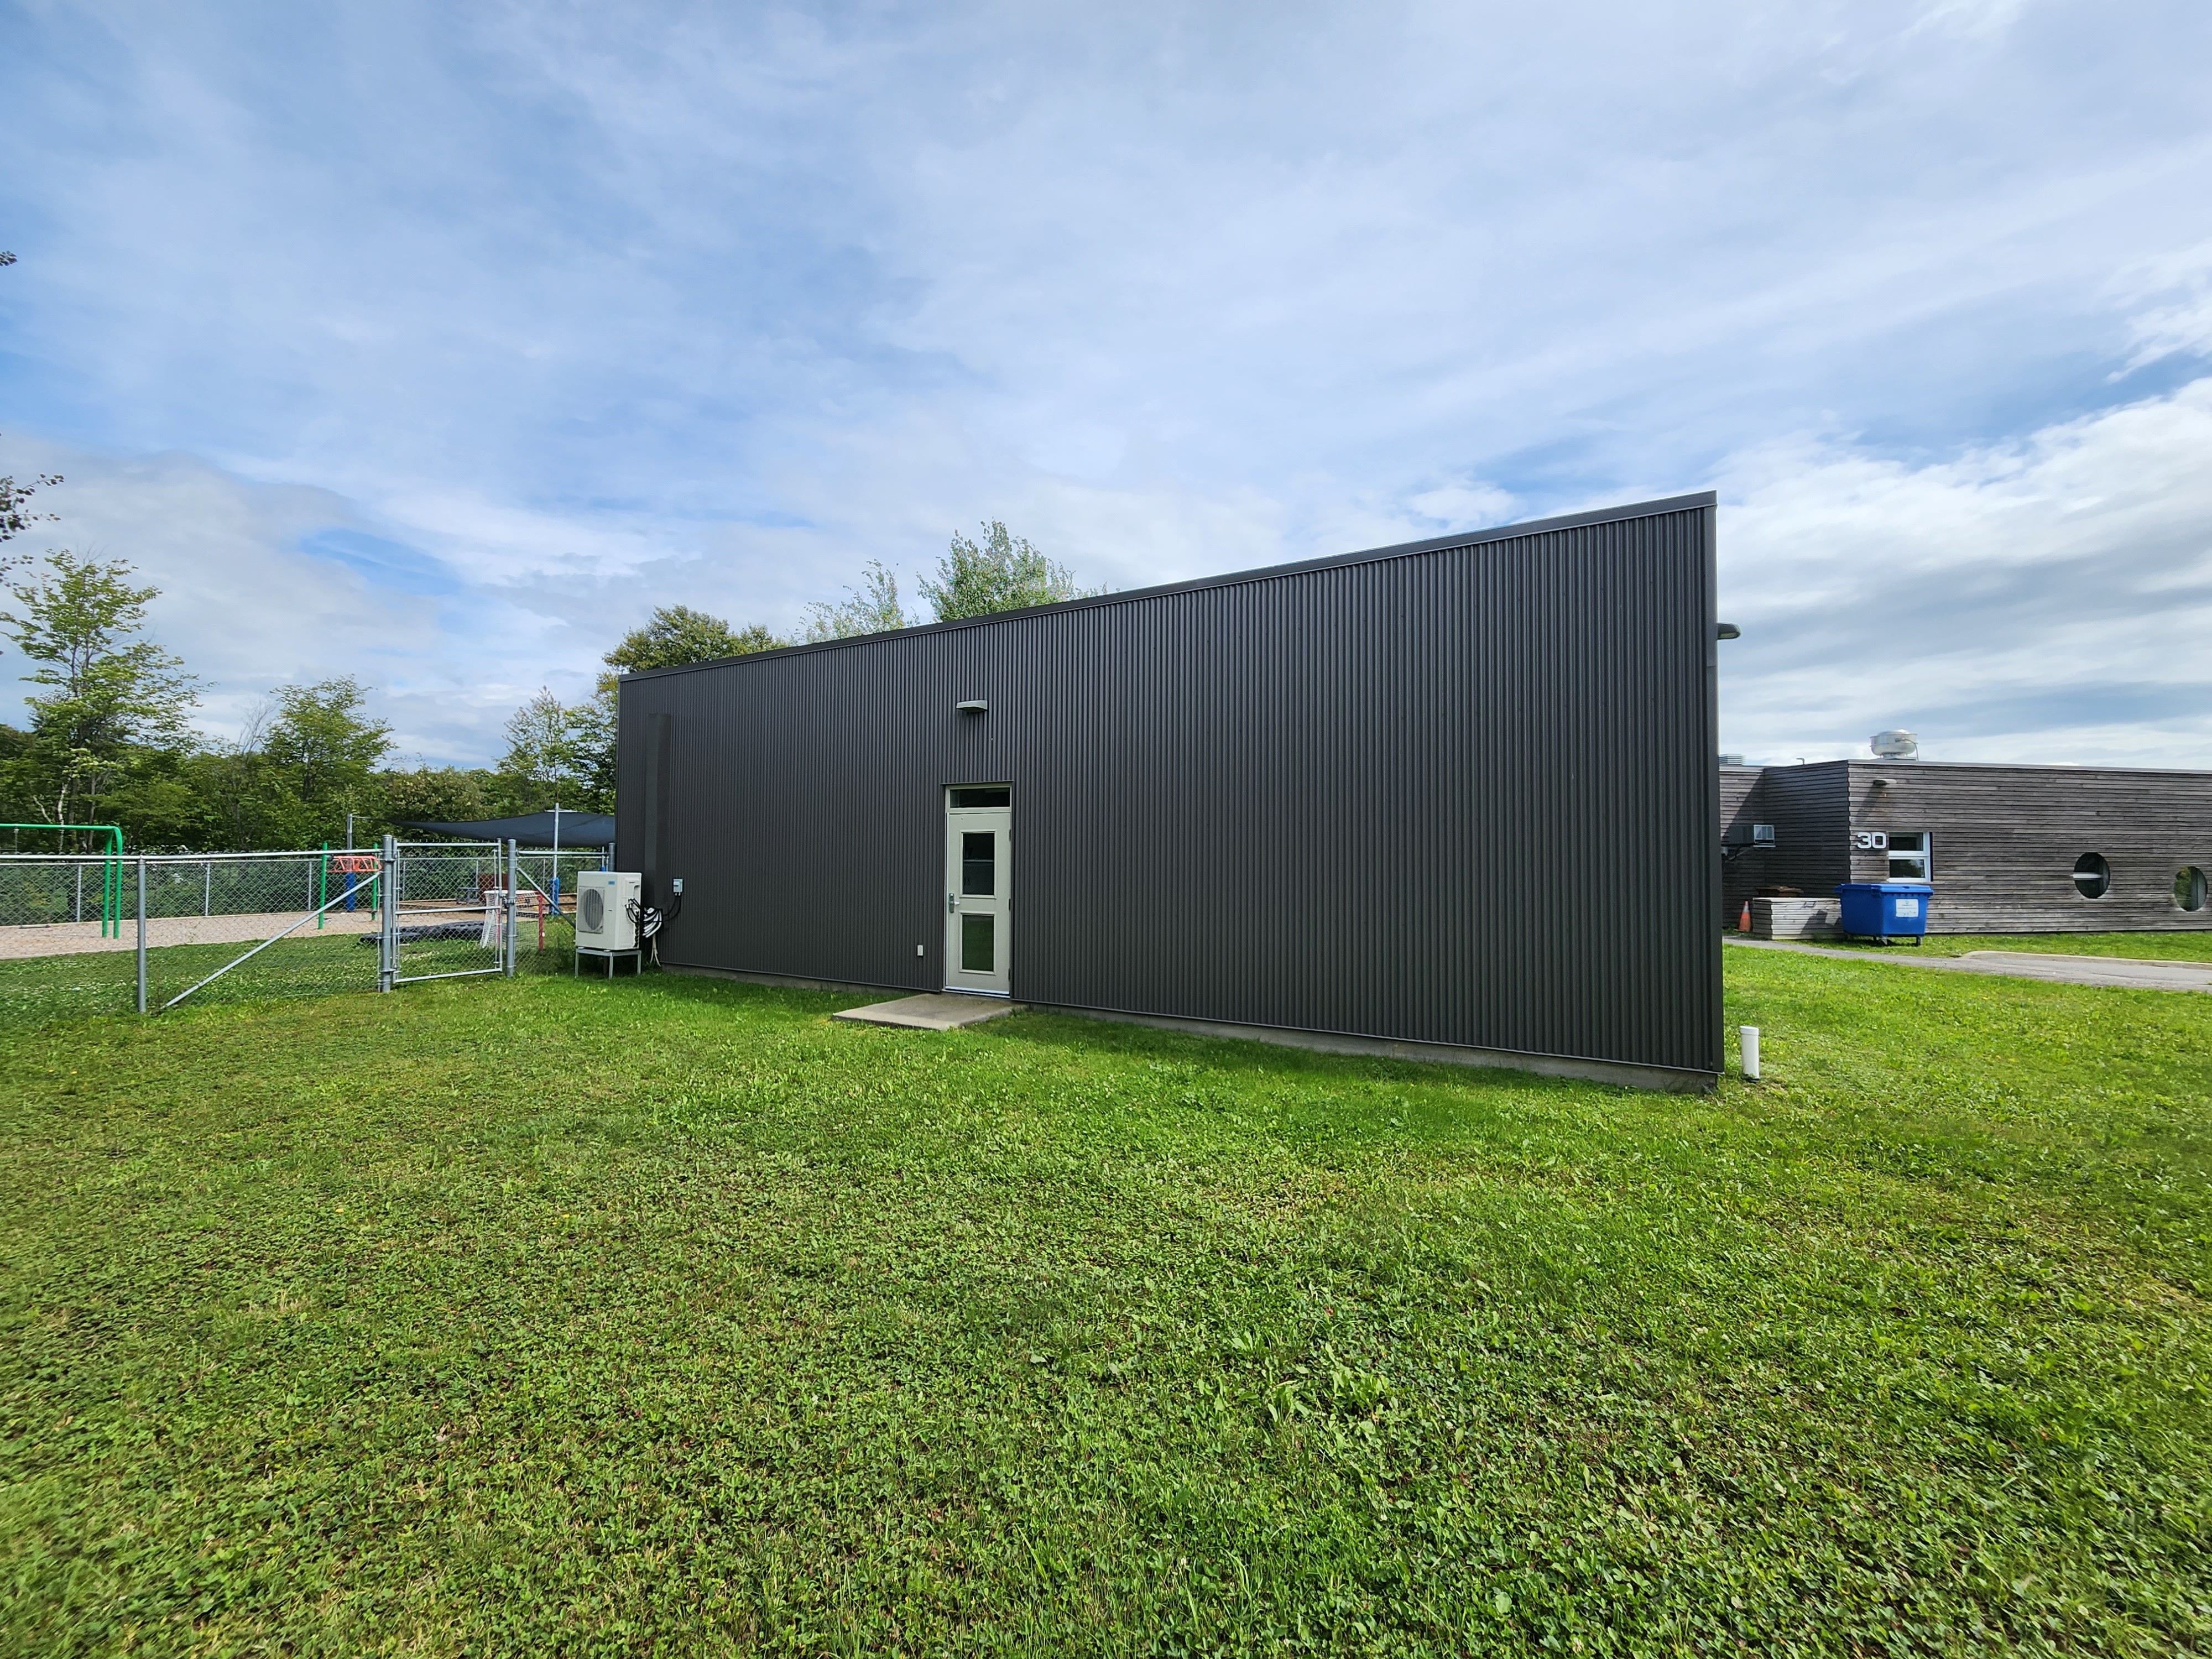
x=2009, y=849
x=1454, y=800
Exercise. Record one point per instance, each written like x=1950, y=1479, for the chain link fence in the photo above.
x=545, y=920
x=63, y=952
x=231, y=927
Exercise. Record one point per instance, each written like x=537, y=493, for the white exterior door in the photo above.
x=979, y=887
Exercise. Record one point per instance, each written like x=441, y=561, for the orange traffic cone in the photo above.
x=1743, y=922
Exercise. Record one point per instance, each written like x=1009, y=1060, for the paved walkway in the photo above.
x=2130, y=972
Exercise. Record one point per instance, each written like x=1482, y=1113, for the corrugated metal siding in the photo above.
x=1462, y=794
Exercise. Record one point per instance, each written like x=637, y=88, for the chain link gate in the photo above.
x=451, y=911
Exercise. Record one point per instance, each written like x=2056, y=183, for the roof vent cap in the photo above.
x=1895, y=745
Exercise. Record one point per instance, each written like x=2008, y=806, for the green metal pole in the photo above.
x=142, y=935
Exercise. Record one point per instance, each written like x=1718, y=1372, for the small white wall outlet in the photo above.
x=917, y=950
x=676, y=885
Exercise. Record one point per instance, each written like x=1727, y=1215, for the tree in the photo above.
x=591, y=735
x=15, y=517
x=544, y=760
x=873, y=607
x=436, y=794
x=107, y=690
x=320, y=757
x=228, y=779
x=676, y=635
x=1002, y=572
x=673, y=636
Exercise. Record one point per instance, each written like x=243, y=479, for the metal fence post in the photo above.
x=513, y=900
x=206, y=888
x=142, y=935
x=387, y=966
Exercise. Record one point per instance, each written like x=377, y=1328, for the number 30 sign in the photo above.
x=1871, y=841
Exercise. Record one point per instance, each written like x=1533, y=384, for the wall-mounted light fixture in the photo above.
x=974, y=706
x=1727, y=631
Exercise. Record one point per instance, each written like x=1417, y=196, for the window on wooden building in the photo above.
x=1910, y=856
x=2188, y=888
x=2092, y=876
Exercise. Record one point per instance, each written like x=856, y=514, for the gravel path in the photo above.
x=69, y=939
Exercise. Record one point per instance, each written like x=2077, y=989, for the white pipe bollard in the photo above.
x=1750, y=1036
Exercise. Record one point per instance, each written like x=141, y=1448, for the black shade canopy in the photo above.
x=535, y=829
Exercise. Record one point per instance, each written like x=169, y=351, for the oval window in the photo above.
x=2092, y=876
x=2188, y=888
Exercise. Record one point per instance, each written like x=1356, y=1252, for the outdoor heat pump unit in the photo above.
x=607, y=906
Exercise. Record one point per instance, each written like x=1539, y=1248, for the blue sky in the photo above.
x=436, y=344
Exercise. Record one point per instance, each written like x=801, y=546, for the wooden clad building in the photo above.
x=2009, y=849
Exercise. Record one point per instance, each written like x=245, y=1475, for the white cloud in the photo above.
x=2172, y=299
x=2039, y=600
x=1464, y=506
x=571, y=312
x=249, y=609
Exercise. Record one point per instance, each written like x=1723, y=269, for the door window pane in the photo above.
x=977, y=942
x=979, y=864
x=997, y=794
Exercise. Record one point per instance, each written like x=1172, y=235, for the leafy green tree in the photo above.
x=107, y=691
x=436, y=795
x=1001, y=572
x=320, y=759
x=158, y=802
x=226, y=779
x=574, y=754
x=676, y=635
x=15, y=516
x=873, y=607
x=545, y=764
x=592, y=738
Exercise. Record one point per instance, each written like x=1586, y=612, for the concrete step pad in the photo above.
x=934, y=1011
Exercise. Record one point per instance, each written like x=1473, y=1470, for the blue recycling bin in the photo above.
x=1885, y=909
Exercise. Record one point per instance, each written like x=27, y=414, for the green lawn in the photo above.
x=666, y=1317
x=35, y=990
x=2195, y=946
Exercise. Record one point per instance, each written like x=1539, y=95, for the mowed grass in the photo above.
x=41, y=989
x=667, y=1317
x=2195, y=945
